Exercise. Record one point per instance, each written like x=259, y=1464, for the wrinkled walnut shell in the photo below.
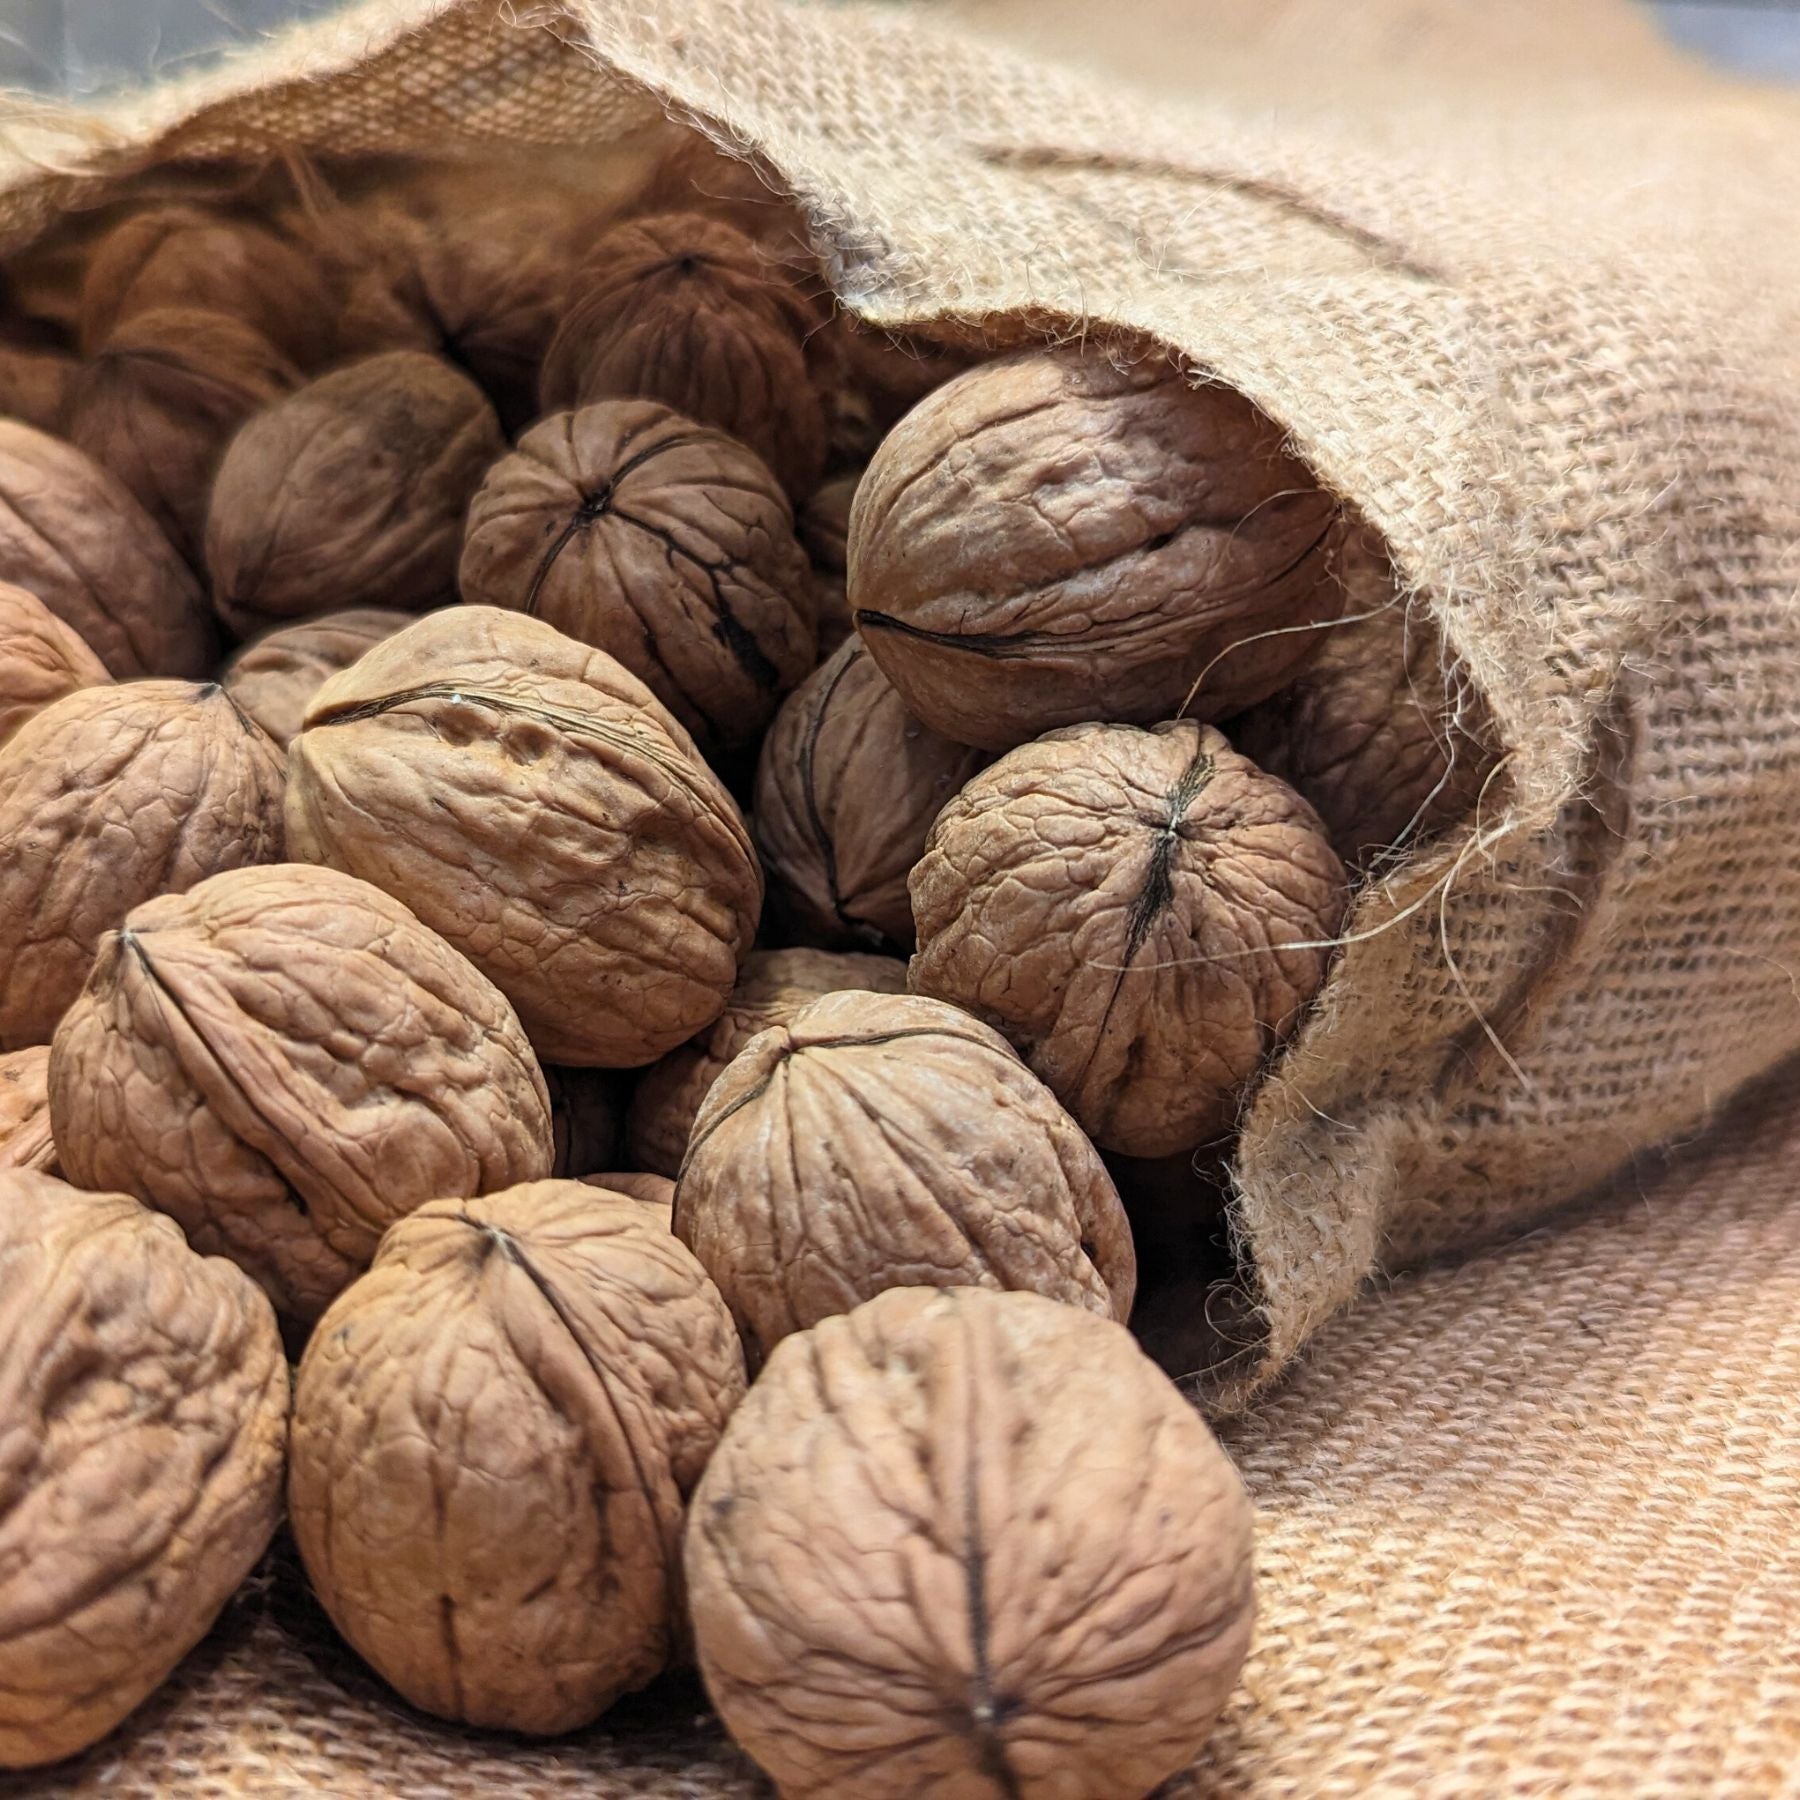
x=1144, y=913
x=41, y=659
x=26, y=1140
x=771, y=988
x=110, y=797
x=654, y=1191
x=847, y=788
x=687, y=310
x=350, y=492
x=587, y=1119
x=145, y=1418
x=974, y=1544
x=534, y=802
x=880, y=1141
x=495, y=1434
x=1052, y=538
x=664, y=543
x=72, y=534
x=274, y=677
x=823, y=520
x=34, y=385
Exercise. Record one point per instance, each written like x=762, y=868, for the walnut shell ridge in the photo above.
x=41, y=659
x=274, y=677
x=26, y=1140
x=969, y=1543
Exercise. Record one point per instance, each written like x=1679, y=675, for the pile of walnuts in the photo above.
x=623, y=866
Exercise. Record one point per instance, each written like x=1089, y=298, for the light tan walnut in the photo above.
x=26, y=1140
x=41, y=659
x=274, y=677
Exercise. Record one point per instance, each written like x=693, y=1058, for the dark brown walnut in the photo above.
x=868, y=379
x=157, y=401
x=1054, y=538
x=109, y=797
x=879, y=1141
x=274, y=676
x=75, y=536
x=34, y=385
x=688, y=310
x=823, y=519
x=772, y=988
x=969, y=1543
x=41, y=659
x=1380, y=732
x=533, y=801
x=26, y=1140
x=144, y=1414
x=587, y=1119
x=693, y=176
x=1144, y=913
x=847, y=788
x=496, y=1431
x=656, y=1192
x=286, y=1061
x=664, y=543
x=350, y=492
x=200, y=260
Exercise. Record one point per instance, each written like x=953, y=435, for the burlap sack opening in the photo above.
x=1542, y=340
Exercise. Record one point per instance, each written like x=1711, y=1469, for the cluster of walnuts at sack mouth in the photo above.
x=498, y=676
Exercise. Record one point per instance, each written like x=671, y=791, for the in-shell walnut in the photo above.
x=587, y=1119
x=34, y=385
x=286, y=1061
x=847, y=788
x=656, y=1192
x=274, y=677
x=1143, y=912
x=534, y=802
x=664, y=543
x=350, y=492
x=688, y=310
x=969, y=1543
x=496, y=1431
x=144, y=1414
x=41, y=659
x=773, y=986
x=26, y=1140
x=880, y=1141
x=824, y=526
x=1055, y=538
x=107, y=798
x=73, y=534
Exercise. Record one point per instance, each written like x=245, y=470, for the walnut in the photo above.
x=73, y=535
x=687, y=310
x=969, y=1543
x=1144, y=913
x=869, y=378
x=495, y=1434
x=1053, y=538
x=41, y=659
x=34, y=385
x=879, y=1141
x=662, y=542
x=773, y=986
x=107, y=798
x=144, y=1418
x=654, y=1191
x=26, y=1140
x=693, y=175
x=286, y=1062
x=158, y=401
x=823, y=519
x=847, y=788
x=1379, y=733
x=349, y=492
x=587, y=1119
x=204, y=261
x=274, y=676
x=534, y=802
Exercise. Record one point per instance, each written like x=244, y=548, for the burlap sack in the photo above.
x=1541, y=332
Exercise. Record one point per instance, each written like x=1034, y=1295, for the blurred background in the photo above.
x=77, y=47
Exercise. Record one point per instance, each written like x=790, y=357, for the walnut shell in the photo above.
x=189, y=257
x=26, y=1140
x=587, y=1119
x=772, y=987
x=74, y=535
x=34, y=385
x=847, y=788
x=495, y=1434
x=534, y=802
x=41, y=659
x=663, y=543
x=687, y=310
x=1144, y=913
x=974, y=1544
x=144, y=1415
x=879, y=1141
x=654, y=1191
x=286, y=1061
x=350, y=492
x=823, y=521
x=158, y=401
x=1052, y=538
x=274, y=677
x=109, y=797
